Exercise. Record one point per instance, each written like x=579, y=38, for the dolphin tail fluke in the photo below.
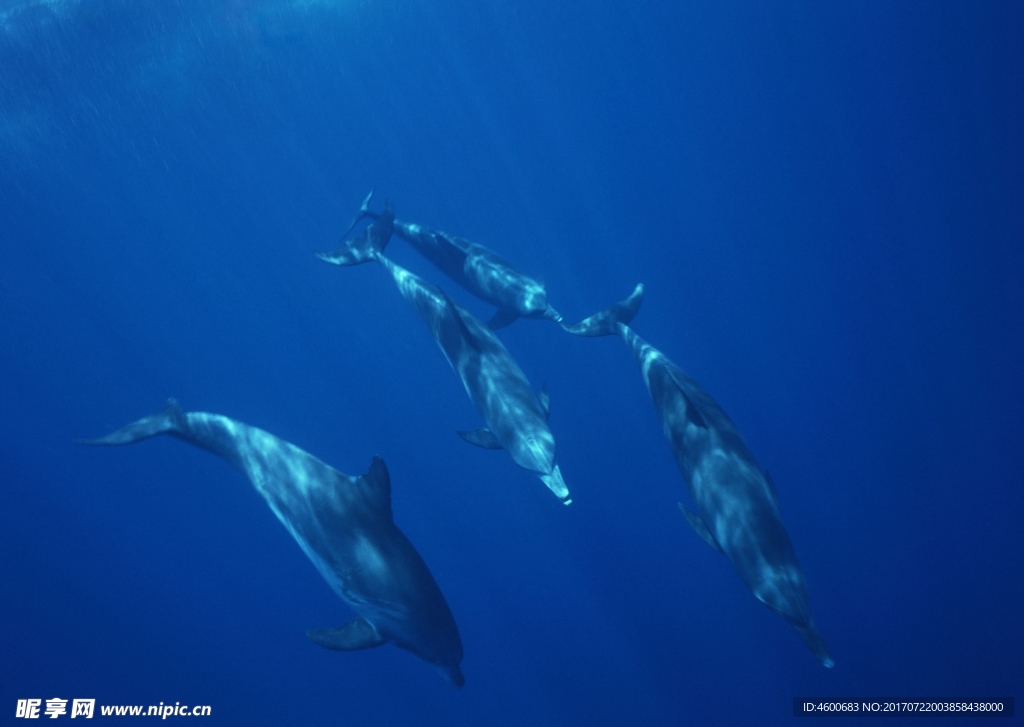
x=606, y=322
x=171, y=420
x=815, y=642
x=364, y=211
x=367, y=246
x=356, y=634
x=556, y=484
x=347, y=254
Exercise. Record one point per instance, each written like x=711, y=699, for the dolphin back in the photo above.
x=169, y=421
x=606, y=322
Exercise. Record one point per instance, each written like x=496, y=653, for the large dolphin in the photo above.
x=738, y=507
x=343, y=524
x=482, y=272
x=516, y=417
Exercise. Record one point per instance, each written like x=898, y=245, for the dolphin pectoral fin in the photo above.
x=544, y=398
x=482, y=438
x=556, y=484
x=699, y=527
x=453, y=674
x=502, y=318
x=356, y=634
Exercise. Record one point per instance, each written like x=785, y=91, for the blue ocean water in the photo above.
x=824, y=201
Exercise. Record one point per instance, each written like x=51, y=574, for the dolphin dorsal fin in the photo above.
x=693, y=414
x=377, y=485
x=693, y=410
x=471, y=338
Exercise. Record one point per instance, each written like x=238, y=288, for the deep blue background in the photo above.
x=823, y=199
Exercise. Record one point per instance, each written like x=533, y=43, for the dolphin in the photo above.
x=516, y=417
x=738, y=507
x=343, y=524
x=482, y=272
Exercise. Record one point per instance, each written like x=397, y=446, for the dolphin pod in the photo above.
x=344, y=524
x=738, y=507
x=516, y=417
x=480, y=271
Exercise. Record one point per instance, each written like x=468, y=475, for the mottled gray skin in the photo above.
x=516, y=417
x=736, y=501
x=495, y=383
x=482, y=272
x=343, y=524
x=739, y=511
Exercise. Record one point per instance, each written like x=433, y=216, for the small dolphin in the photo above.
x=516, y=417
x=739, y=510
x=343, y=524
x=482, y=272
